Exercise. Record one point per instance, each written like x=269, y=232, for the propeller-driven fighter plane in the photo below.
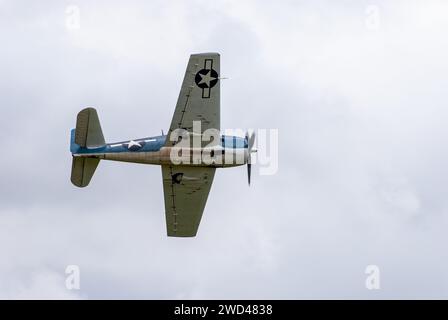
x=189, y=154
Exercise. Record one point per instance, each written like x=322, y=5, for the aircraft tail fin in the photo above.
x=83, y=170
x=88, y=133
x=73, y=146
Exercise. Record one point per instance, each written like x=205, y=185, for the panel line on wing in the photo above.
x=174, y=204
x=188, y=99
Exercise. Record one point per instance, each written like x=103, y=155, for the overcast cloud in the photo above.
x=361, y=110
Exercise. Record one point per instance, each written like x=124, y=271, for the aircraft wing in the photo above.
x=186, y=190
x=199, y=98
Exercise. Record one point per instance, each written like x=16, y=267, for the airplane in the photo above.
x=188, y=162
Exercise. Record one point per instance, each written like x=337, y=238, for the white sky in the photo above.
x=361, y=112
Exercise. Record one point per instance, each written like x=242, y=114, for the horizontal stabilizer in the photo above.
x=88, y=132
x=83, y=170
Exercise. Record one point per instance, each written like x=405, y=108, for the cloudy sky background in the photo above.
x=357, y=90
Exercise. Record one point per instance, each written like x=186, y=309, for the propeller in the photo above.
x=250, y=139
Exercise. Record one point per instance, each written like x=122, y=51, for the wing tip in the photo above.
x=180, y=235
x=202, y=54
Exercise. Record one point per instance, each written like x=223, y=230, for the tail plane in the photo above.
x=83, y=170
x=88, y=129
x=88, y=134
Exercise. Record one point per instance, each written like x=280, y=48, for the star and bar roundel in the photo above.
x=206, y=78
x=134, y=145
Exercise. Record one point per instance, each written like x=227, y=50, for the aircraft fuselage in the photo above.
x=231, y=152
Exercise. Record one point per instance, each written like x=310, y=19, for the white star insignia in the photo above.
x=133, y=143
x=206, y=78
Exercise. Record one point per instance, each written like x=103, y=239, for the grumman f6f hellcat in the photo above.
x=189, y=153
